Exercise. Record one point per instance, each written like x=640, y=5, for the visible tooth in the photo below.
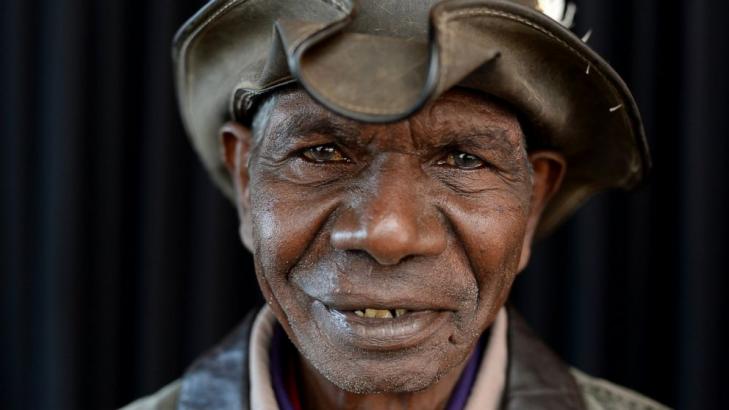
x=384, y=314
x=359, y=313
x=400, y=312
x=378, y=313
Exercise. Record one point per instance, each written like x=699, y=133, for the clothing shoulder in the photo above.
x=164, y=399
x=600, y=394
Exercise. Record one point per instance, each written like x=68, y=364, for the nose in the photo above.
x=391, y=217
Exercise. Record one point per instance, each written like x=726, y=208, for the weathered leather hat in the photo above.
x=382, y=60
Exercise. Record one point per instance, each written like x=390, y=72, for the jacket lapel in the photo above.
x=537, y=378
x=219, y=379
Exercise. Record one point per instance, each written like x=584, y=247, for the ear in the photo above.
x=235, y=144
x=549, y=169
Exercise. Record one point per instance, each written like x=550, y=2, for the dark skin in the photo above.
x=430, y=218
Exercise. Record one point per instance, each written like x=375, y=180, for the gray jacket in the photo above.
x=537, y=379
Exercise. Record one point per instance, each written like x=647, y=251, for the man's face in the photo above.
x=420, y=223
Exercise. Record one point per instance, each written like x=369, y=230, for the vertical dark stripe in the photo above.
x=106, y=137
x=704, y=205
x=165, y=180
x=58, y=112
x=15, y=84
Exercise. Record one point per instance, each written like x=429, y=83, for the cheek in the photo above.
x=491, y=232
x=495, y=241
x=285, y=222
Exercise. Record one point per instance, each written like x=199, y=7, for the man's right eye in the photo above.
x=321, y=154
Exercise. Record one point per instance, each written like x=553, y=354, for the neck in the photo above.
x=320, y=393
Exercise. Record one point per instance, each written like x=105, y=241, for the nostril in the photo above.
x=358, y=254
x=385, y=260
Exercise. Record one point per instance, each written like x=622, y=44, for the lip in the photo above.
x=341, y=325
x=354, y=301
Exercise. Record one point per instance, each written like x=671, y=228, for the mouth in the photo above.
x=381, y=313
x=379, y=328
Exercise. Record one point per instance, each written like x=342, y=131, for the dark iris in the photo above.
x=324, y=153
x=462, y=160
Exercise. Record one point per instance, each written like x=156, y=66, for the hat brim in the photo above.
x=384, y=61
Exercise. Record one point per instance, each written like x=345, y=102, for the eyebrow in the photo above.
x=482, y=138
x=300, y=125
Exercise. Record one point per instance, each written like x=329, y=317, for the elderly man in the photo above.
x=391, y=163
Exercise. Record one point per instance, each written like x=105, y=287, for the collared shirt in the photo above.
x=285, y=386
x=480, y=385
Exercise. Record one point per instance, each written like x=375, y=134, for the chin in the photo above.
x=361, y=371
x=375, y=380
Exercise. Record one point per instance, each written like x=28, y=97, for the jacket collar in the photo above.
x=219, y=379
x=537, y=378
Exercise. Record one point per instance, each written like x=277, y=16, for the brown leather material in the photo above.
x=537, y=378
x=219, y=379
x=382, y=60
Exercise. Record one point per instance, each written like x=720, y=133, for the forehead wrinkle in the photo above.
x=302, y=123
x=453, y=128
x=296, y=114
x=394, y=137
x=483, y=119
x=483, y=138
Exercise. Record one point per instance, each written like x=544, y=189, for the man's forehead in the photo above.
x=457, y=112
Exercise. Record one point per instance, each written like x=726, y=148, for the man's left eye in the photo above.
x=462, y=160
x=323, y=154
